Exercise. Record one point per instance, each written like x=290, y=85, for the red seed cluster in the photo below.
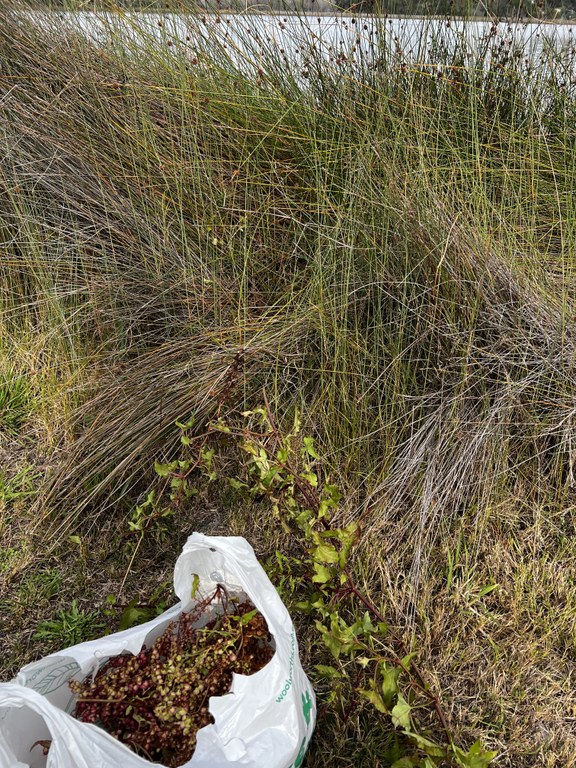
x=156, y=701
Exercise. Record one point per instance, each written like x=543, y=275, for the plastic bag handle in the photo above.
x=240, y=561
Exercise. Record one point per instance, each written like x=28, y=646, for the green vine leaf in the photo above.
x=311, y=477
x=407, y=660
x=164, y=470
x=401, y=713
x=309, y=446
x=375, y=699
x=325, y=553
x=426, y=745
x=195, y=585
x=280, y=468
x=185, y=425
x=328, y=671
x=476, y=757
x=389, y=685
x=332, y=643
x=322, y=574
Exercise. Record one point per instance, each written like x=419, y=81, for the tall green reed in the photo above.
x=384, y=231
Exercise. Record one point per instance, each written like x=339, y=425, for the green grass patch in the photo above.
x=16, y=401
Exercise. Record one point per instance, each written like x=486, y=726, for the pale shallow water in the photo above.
x=346, y=38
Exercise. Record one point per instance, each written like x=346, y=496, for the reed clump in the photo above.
x=377, y=222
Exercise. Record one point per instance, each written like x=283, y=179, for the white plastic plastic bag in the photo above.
x=264, y=722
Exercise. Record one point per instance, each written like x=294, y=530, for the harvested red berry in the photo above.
x=155, y=702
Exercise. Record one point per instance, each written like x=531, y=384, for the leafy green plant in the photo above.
x=136, y=611
x=285, y=469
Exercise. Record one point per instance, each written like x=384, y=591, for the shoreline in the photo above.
x=259, y=12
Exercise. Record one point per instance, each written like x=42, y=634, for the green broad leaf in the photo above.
x=407, y=762
x=312, y=478
x=325, y=553
x=132, y=615
x=186, y=425
x=303, y=517
x=375, y=699
x=207, y=455
x=363, y=661
x=343, y=558
x=382, y=628
x=476, y=757
x=316, y=536
x=401, y=713
x=389, y=684
x=348, y=535
x=249, y=447
x=429, y=747
x=332, y=643
x=322, y=574
x=195, y=585
x=347, y=632
x=309, y=446
x=149, y=500
x=269, y=476
x=367, y=626
x=185, y=440
x=324, y=508
x=163, y=470
x=327, y=671
x=261, y=461
x=220, y=426
x=261, y=413
x=407, y=660
x=335, y=496
x=236, y=484
x=246, y=618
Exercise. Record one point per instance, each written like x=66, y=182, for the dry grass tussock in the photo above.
x=382, y=241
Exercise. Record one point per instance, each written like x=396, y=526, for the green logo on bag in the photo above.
x=300, y=759
x=306, y=707
x=306, y=710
